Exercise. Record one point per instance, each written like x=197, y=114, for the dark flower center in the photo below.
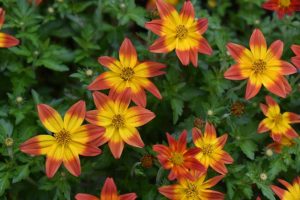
x=259, y=66
x=207, y=149
x=127, y=73
x=63, y=137
x=177, y=158
x=118, y=121
x=181, y=32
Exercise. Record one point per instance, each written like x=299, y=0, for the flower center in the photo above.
x=191, y=191
x=63, y=137
x=118, y=121
x=181, y=32
x=259, y=66
x=277, y=119
x=127, y=73
x=207, y=149
x=177, y=158
x=285, y=3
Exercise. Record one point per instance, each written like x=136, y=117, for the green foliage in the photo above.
x=57, y=58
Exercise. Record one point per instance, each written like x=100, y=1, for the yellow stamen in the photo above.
x=63, y=137
x=177, y=158
x=127, y=73
x=277, y=119
x=285, y=3
x=259, y=66
x=207, y=149
x=191, y=192
x=118, y=121
x=181, y=32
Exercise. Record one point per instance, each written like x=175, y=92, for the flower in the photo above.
x=119, y=120
x=261, y=66
x=296, y=59
x=151, y=3
x=128, y=72
x=69, y=140
x=108, y=192
x=277, y=123
x=197, y=188
x=179, y=31
x=147, y=161
x=282, y=7
x=237, y=108
x=212, y=153
x=6, y=40
x=284, y=142
x=177, y=157
x=292, y=192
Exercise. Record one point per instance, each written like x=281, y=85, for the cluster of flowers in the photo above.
x=115, y=122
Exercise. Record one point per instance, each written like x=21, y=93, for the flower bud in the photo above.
x=9, y=142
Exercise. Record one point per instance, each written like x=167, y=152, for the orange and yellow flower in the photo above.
x=282, y=7
x=108, y=192
x=296, y=59
x=177, y=158
x=119, y=120
x=197, y=188
x=284, y=142
x=211, y=149
x=277, y=123
x=69, y=140
x=151, y=3
x=181, y=32
x=261, y=66
x=128, y=73
x=292, y=192
x=6, y=40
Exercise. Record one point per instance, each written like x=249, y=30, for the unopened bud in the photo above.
x=19, y=99
x=263, y=176
x=89, y=72
x=210, y=112
x=269, y=152
x=9, y=142
x=50, y=10
x=147, y=161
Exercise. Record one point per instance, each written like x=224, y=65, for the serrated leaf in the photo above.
x=53, y=65
x=21, y=173
x=177, y=107
x=248, y=147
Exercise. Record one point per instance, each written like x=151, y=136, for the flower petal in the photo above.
x=275, y=50
x=74, y=116
x=110, y=63
x=234, y=73
x=131, y=136
x=85, y=149
x=89, y=133
x=163, y=44
x=167, y=12
x=184, y=56
x=258, y=44
x=71, y=160
x=204, y=47
x=50, y=118
x=38, y=145
x=54, y=160
x=81, y=196
x=127, y=54
x=149, y=69
x=137, y=116
x=129, y=196
x=109, y=190
x=8, y=41
x=253, y=87
x=187, y=13
x=116, y=145
x=104, y=81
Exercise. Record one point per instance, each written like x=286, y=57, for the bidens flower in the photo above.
x=108, y=192
x=197, y=188
x=211, y=149
x=277, y=123
x=292, y=192
x=70, y=139
x=179, y=31
x=119, y=120
x=6, y=40
x=151, y=3
x=128, y=73
x=178, y=158
x=282, y=7
x=284, y=142
x=261, y=66
x=296, y=59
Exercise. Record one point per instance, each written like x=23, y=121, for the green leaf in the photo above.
x=248, y=147
x=21, y=173
x=177, y=107
x=4, y=182
x=267, y=192
x=53, y=65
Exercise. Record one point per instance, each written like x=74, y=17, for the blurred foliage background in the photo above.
x=57, y=58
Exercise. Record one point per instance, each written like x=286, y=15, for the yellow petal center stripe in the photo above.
x=181, y=32
x=127, y=73
x=177, y=158
x=62, y=137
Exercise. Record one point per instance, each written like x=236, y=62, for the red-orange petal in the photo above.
x=296, y=61
x=116, y=148
x=123, y=99
x=149, y=69
x=7, y=41
x=252, y=89
x=278, y=191
x=82, y=196
x=270, y=101
x=2, y=17
x=156, y=26
x=296, y=49
x=127, y=54
x=278, y=87
x=235, y=50
x=139, y=98
x=234, y=73
x=38, y=145
x=164, y=44
x=194, y=57
x=213, y=181
x=219, y=167
x=52, y=166
x=166, y=10
x=264, y=108
x=50, y=118
x=187, y=13
x=202, y=25
x=293, y=117
x=168, y=191
x=153, y=89
x=196, y=134
x=129, y=196
x=257, y=42
x=204, y=47
x=109, y=189
x=184, y=56
x=210, y=131
x=102, y=82
x=110, y=63
x=291, y=133
x=137, y=116
x=100, y=99
x=275, y=50
x=262, y=127
x=74, y=116
x=71, y=161
x=287, y=68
